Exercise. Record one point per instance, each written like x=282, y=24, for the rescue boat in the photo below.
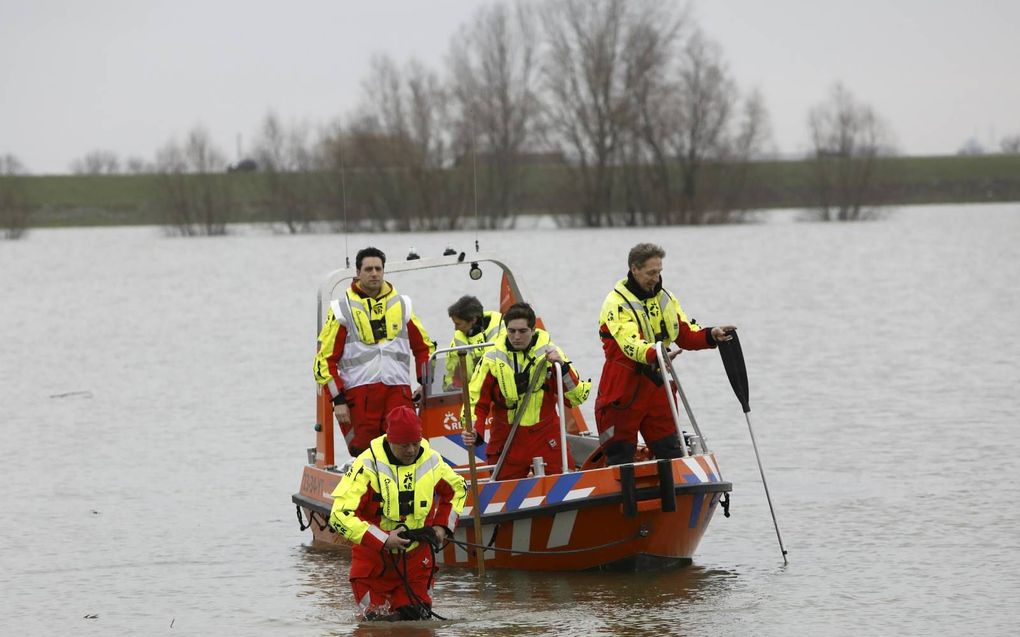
x=643, y=516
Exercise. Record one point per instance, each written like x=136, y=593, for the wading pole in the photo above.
x=476, y=508
x=733, y=361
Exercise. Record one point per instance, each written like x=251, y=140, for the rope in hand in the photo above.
x=428, y=537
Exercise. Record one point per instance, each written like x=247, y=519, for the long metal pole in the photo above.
x=669, y=398
x=476, y=509
x=683, y=397
x=761, y=470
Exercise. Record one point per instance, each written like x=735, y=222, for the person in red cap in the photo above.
x=397, y=503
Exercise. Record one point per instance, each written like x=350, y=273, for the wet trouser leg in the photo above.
x=620, y=452
x=668, y=447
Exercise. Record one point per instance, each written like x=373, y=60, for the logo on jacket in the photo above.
x=408, y=482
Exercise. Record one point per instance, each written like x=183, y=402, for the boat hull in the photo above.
x=637, y=517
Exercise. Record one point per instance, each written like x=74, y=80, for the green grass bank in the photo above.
x=72, y=200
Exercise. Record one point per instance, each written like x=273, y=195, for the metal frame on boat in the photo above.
x=642, y=516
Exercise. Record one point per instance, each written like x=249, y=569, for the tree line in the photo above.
x=626, y=102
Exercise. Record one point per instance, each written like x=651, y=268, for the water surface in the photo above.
x=156, y=402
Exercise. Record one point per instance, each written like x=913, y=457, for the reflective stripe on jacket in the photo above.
x=637, y=324
x=493, y=332
x=503, y=365
x=351, y=355
x=367, y=501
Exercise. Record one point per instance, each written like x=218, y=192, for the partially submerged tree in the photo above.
x=195, y=197
x=494, y=82
x=14, y=206
x=847, y=136
x=286, y=161
x=586, y=94
x=400, y=139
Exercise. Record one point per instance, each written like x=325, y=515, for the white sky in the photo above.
x=128, y=75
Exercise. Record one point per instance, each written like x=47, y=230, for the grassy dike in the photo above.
x=73, y=200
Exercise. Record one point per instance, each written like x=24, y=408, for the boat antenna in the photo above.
x=474, y=176
x=343, y=197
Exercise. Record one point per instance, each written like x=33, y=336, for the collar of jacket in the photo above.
x=527, y=348
x=481, y=323
x=392, y=459
x=386, y=288
x=636, y=290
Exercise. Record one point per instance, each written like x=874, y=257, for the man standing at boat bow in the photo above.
x=365, y=350
x=636, y=314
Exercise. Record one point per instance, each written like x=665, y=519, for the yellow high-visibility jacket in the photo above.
x=493, y=331
x=501, y=365
x=351, y=353
x=376, y=495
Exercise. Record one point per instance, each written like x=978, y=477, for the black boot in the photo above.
x=412, y=612
x=668, y=447
x=620, y=452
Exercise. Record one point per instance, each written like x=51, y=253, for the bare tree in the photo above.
x=138, y=166
x=97, y=162
x=1011, y=145
x=14, y=205
x=704, y=106
x=286, y=161
x=401, y=136
x=752, y=132
x=847, y=137
x=495, y=84
x=586, y=96
x=649, y=55
x=195, y=195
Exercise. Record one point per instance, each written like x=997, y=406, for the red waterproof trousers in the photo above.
x=642, y=406
x=377, y=579
x=369, y=405
x=539, y=440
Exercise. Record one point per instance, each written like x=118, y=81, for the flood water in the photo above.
x=156, y=401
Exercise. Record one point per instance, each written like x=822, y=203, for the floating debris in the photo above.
x=73, y=394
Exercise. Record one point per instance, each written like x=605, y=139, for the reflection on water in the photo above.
x=156, y=405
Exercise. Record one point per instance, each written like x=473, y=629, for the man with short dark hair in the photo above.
x=472, y=325
x=498, y=389
x=365, y=352
x=396, y=500
x=637, y=314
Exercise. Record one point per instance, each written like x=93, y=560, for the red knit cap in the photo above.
x=402, y=426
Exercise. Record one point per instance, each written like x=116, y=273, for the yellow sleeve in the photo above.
x=327, y=353
x=344, y=518
x=575, y=390
x=452, y=362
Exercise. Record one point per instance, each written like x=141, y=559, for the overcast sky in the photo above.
x=128, y=75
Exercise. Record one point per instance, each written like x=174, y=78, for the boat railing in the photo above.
x=666, y=364
x=429, y=374
x=558, y=370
